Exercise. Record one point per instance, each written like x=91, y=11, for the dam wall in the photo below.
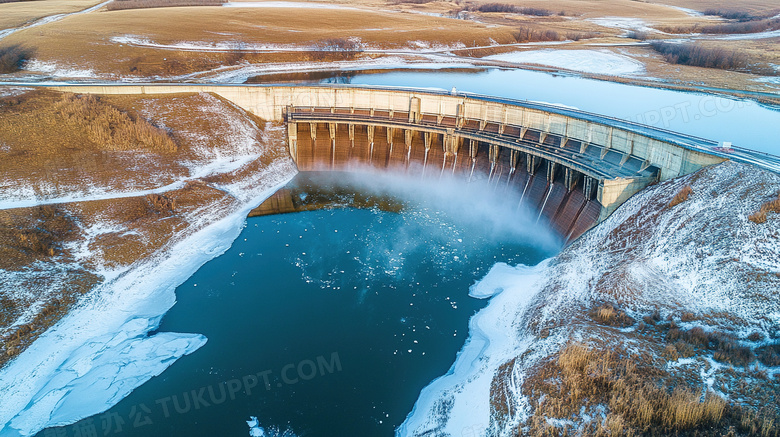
x=574, y=167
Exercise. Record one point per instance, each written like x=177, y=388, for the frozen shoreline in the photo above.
x=101, y=350
x=466, y=385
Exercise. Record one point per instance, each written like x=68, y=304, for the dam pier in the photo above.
x=574, y=168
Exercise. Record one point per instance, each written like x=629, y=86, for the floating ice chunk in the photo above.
x=254, y=427
x=101, y=376
x=501, y=277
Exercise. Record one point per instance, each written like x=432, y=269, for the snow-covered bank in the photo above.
x=697, y=264
x=101, y=350
x=237, y=149
x=586, y=61
x=457, y=402
x=24, y=197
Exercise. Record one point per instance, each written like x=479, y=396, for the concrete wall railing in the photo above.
x=624, y=151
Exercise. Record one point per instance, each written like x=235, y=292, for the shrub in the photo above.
x=728, y=351
x=111, y=129
x=637, y=35
x=681, y=195
x=609, y=315
x=13, y=58
x=699, y=56
x=742, y=27
x=528, y=34
x=338, y=45
x=731, y=14
x=769, y=355
x=512, y=9
x=727, y=28
x=161, y=203
x=576, y=36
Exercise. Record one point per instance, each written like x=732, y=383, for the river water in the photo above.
x=330, y=322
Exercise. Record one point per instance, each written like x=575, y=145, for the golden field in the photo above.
x=19, y=13
x=85, y=41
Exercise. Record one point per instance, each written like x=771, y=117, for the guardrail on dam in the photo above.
x=574, y=167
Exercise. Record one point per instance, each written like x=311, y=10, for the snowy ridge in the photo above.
x=701, y=256
x=236, y=149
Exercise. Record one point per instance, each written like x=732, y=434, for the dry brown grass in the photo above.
x=33, y=234
x=29, y=239
x=725, y=347
x=78, y=283
x=161, y=203
x=65, y=41
x=46, y=137
x=15, y=14
x=223, y=25
x=681, y=195
x=118, y=5
x=760, y=216
x=111, y=129
x=698, y=55
x=582, y=377
x=726, y=28
x=607, y=314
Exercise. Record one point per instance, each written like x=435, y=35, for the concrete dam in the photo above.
x=574, y=168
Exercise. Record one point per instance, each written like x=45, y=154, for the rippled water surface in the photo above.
x=328, y=322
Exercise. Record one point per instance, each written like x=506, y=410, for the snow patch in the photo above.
x=55, y=70
x=587, y=61
x=25, y=196
x=623, y=23
x=13, y=92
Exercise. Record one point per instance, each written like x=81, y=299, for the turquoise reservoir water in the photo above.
x=330, y=322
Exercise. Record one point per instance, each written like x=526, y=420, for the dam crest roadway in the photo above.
x=573, y=167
